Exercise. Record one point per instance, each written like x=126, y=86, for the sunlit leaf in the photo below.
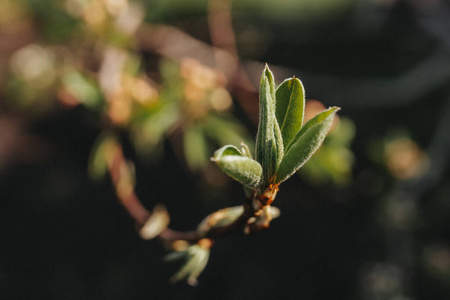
x=332, y=162
x=243, y=169
x=290, y=106
x=279, y=147
x=156, y=223
x=246, y=150
x=222, y=217
x=227, y=150
x=268, y=136
x=305, y=143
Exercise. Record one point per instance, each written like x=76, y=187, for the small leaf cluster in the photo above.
x=283, y=143
x=193, y=113
x=195, y=258
x=182, y=100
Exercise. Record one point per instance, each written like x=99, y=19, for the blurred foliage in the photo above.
x=399, y=154
x=384, y=62
x=194, y=257
x=96, y=64
x=91, y=60
x=333, y=162
x=285, y=11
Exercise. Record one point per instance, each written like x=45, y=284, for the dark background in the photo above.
x=385, y=63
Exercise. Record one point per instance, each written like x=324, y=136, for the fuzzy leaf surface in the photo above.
x=279, y=148
x=290, y=107
x=305, y=143
x=241, y=168
x=267, y=151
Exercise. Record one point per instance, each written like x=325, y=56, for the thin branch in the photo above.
x=222, y=36
x=119, y=170
x=121, y=176
x=171, y=42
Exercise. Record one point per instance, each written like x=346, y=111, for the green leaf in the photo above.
x=98, y=164
x=148, y=129
x=196, y=258
x=227, y=150
x=195, y=147
x=290, y=107
x=245, y=150
x=83, y=88
x=220, y=218
x=278, y=144
x=267, y=140
x=243, y=169
x=226, y=129
x=305, y=143
x=175, y=255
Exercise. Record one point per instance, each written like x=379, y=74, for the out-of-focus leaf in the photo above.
x=334, y=159
x=82, y=88
x=344, y=132
x=149, y=129
x=220, y=218
x=329, y=163
x=172, y=85
x=156, y=223
x=195, y=147
x=133, y=64
x=98, y=164
x=225, y=129
x=196, y=257
x=243, y=169
x=175, y=255
x=305, y=143
x=290, y=106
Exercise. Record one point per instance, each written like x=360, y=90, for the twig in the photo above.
x=173, y=43
x=120, y=177
x=223, y=37
x=117, y=167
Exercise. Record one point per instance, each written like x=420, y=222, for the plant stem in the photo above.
x=120, y=174
x=117, y=165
